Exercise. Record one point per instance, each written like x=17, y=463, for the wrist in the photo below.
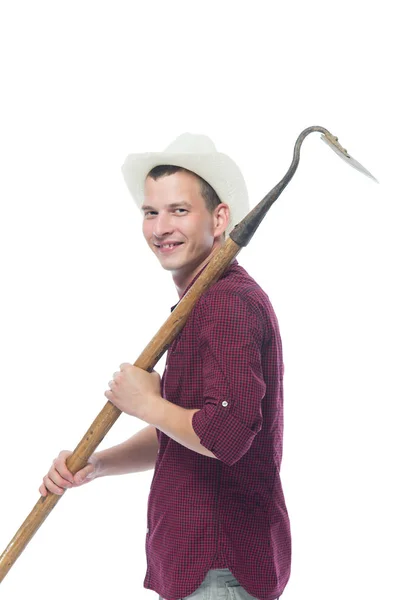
x=154, y=409
x=99, y=469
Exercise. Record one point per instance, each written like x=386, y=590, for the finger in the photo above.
x=58, y=480
x=60, y=464
x=125, y=366
x=52, y=487
x=42, y=490
x=60, y=473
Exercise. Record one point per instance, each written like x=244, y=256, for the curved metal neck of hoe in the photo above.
x=244, y=231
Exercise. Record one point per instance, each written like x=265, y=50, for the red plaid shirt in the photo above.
x=229, y=512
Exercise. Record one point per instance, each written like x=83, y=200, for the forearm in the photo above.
x=136, y=454
x=176, y=422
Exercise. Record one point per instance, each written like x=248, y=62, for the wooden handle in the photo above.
x=110, y=413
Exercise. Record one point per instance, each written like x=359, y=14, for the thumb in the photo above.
x=84, y=475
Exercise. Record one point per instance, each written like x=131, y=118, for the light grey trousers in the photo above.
x=219, y=584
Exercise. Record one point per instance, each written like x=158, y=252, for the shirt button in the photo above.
x=224, y=403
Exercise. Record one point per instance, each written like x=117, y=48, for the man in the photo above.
x=217, y=520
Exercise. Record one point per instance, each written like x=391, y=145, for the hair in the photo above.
x=210, y=196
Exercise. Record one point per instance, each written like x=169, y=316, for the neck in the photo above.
x=183, y=279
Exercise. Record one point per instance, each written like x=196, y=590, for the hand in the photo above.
x=134, y=391
x=59, y=477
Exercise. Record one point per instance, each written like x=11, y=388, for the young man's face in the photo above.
x=177, y=226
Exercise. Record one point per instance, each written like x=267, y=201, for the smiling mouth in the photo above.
x=162, y=246
x=165, y=249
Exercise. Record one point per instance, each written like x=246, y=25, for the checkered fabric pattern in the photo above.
x=229, y=512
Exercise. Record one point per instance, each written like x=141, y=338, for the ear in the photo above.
x=221, y=219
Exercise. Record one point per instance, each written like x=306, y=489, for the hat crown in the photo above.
x=191, y=143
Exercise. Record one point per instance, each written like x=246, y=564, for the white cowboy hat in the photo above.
x=196, y=153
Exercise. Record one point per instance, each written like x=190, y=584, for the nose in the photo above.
x=162, y=224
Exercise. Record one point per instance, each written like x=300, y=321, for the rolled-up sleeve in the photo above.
x=230, y=341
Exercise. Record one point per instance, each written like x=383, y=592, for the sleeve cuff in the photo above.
x=222, y=433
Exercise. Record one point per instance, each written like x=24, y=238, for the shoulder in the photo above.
x=237, y=296
x=236, y=286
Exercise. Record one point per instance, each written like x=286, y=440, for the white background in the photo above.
x=82, y=85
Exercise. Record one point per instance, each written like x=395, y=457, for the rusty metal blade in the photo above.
x=340, y=151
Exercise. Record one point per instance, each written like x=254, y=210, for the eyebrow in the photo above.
x=172, y=205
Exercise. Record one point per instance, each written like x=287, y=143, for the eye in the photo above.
x=149, y=213
x=181, y=210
